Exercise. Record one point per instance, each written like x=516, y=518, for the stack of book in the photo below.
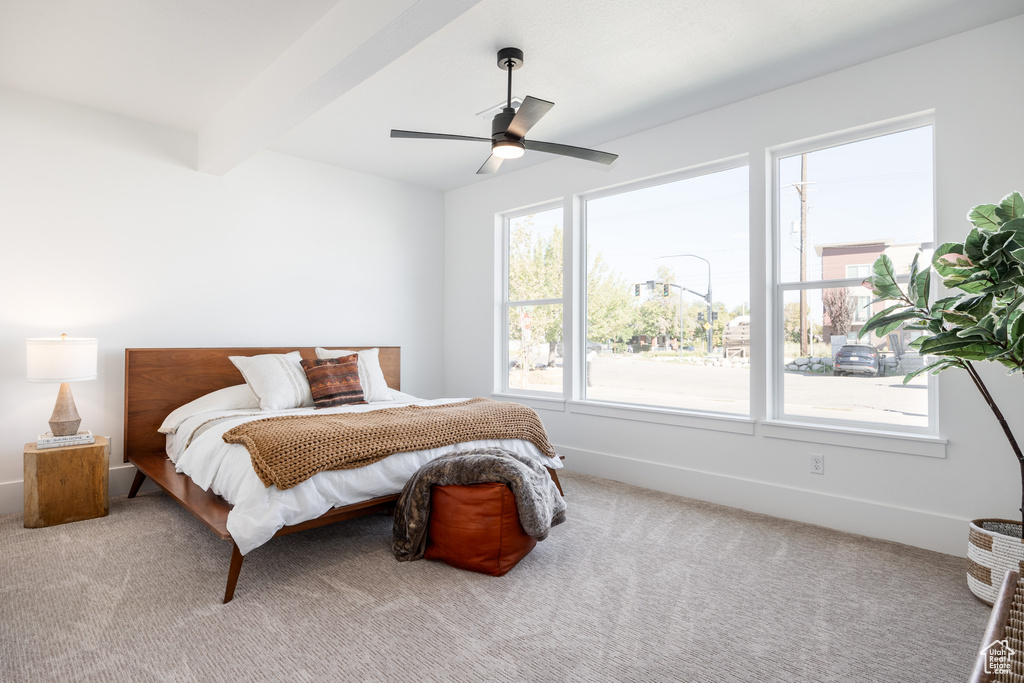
x=48, y=440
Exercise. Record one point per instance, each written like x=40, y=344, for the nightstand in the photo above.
x=66, y=484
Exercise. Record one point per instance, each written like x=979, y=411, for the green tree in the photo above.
x=610, y=312
x=657, y=314
x=535, y=272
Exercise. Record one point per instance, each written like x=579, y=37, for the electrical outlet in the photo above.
x=817, y=463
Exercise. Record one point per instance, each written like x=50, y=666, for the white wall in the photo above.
x=107, y=231
x=918, y=500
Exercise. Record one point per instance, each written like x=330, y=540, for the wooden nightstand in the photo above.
x=66, y=484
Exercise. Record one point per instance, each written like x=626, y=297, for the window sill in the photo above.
x=873, y=440
x=535, y=401
x=712, y=421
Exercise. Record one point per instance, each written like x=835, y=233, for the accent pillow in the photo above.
x=334, y=381
x=238, y=397
x=371, y=377
x=277, y=379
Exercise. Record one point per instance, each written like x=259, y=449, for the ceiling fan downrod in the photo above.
x=510, y=59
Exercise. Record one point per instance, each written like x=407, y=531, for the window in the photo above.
x=839, y=208
x=667, y=292
x=533, y=302
x=859, y=297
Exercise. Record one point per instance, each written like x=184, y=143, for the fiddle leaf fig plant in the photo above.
x=982, y=320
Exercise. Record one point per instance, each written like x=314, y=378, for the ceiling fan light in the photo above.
x=508, y=149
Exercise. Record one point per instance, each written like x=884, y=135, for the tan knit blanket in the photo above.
x=289, y=449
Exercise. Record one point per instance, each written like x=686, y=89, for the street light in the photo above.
x=706, y=296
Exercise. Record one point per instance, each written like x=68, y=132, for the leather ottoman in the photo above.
x=476, y=527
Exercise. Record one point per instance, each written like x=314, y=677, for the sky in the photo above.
x=880, y=188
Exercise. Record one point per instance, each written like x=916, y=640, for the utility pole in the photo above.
x=802, y=189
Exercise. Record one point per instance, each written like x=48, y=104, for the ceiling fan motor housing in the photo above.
x=500, y=124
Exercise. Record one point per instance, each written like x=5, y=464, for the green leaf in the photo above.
x=956, y=318
x=948, y=344
x=913, y=288
x=873, y=323
x=984, y=216
x=978, y=305
x=889, y=323
x=935, y=368
x=1011, y=207
x=921, y=284
x=982, y=276
x=974, y=245
x=993, y=247
x=1016, y=228
x=976, y=331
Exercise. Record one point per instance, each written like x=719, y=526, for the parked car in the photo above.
x=858, y=359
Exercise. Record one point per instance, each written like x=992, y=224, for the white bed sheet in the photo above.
x=199, y=451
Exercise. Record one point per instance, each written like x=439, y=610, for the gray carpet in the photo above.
x=635, y=586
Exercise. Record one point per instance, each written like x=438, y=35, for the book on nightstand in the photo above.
x=48, y=440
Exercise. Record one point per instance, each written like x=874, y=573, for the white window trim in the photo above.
x=501, y=387
x=874, y=432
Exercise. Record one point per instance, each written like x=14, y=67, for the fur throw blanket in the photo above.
x=538, y=502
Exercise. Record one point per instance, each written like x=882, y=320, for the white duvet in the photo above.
x=198, y=450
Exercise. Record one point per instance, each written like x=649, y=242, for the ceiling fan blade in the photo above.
x=433, y=136
x=528, y=114
x=491, y=165
x=570, y=151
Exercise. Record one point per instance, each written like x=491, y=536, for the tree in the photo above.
x=535, y=272
x=838, y=309
x=609, y=304
x=983, y=321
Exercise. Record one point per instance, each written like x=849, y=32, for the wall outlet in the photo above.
x=817, y=463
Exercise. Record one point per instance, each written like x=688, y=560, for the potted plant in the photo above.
x=983, y=320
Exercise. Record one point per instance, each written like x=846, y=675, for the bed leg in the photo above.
x=139, y=478
x=554, y=478
x=236, y=567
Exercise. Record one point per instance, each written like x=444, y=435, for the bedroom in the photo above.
x=112, y=233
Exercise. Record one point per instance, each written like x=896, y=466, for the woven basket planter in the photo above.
x=994, y=547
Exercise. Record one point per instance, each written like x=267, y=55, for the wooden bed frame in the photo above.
x=156, y=381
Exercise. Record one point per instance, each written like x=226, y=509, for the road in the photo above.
x=667, y=382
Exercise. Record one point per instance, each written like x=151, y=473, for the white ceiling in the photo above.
x=326, y=80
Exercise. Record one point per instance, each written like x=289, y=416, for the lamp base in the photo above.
x=65, y=419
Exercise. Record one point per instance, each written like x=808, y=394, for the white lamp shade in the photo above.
x=57, y=359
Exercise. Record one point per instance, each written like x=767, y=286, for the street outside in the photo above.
x=668, y=382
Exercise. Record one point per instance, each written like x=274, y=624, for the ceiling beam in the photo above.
x=351, y=43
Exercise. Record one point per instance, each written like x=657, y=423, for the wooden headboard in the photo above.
x=156, y=381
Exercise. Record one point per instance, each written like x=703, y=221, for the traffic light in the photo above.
x=636, y=290
x=700, y=317
x=664, y=291
x=714, y=315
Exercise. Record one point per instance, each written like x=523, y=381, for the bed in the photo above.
x=157, y=381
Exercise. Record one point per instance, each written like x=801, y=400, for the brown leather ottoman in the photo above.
x=476, y=527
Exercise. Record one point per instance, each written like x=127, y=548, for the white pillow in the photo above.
x=277, y=379
x=371, y=377
x=238, y=397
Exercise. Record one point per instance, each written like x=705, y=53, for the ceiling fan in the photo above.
x=509, y=127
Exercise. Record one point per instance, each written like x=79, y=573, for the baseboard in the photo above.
x=12, y=493
x=941, y=533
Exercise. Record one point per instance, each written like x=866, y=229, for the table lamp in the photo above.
x=62, y=359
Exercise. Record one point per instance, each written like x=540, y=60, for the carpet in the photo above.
x=637, y=585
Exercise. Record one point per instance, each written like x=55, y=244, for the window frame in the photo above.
x=502, y=376
x=776, y=417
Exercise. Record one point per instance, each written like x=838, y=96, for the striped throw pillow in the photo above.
x=334, y=381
